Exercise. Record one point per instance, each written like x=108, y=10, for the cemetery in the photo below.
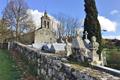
x=46, y=61
x=52, y=66
x=49, y=47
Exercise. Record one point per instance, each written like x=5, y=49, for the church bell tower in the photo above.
x=45, y=21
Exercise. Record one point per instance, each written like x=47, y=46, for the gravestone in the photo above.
x=78, y=47
x=57, y=48
x=103, y=57
x=68, y=48
x=94, y=49
x=77, y=42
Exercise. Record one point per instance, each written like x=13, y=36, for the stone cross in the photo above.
x=86, y=34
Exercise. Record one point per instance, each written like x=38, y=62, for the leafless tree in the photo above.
x=67, y=25
x=61, y=27
x=15, y=13
x=71, y=25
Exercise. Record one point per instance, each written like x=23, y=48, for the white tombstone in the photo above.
x=78, y=44
x=68, y=48
x=38, y=45
x=57, y=47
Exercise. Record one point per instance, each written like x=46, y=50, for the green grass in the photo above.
x=8, y=69
x=113, y=58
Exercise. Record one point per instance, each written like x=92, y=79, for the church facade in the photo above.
x=45, y=34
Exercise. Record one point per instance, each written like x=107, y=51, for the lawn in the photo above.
x=8, y=69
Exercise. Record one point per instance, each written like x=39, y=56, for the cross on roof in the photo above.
x=86, y=34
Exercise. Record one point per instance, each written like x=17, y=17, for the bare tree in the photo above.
x=15, y=13
x=61, y=27
x=71, y=25
x=67, y=25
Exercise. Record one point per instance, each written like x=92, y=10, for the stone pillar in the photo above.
x=8, y=45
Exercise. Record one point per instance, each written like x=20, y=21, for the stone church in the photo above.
x=45, y=34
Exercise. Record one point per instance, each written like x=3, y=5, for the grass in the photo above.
x=113, y=58
x=8, y=69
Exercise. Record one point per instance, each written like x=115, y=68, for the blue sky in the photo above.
x=109, y=11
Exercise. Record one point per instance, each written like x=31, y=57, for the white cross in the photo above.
x=86, y=34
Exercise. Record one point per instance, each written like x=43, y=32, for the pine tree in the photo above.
x=91, y=24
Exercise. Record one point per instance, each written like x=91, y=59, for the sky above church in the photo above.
x=109, y=12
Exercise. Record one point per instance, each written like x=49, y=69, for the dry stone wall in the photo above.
x=52, y=67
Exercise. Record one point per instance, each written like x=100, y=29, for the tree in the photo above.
x=91, y=23
x=67, y=25
x=15, y=13
x=3, y=30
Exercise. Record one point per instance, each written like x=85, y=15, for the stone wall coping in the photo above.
x=30, y=48
x=92, y=72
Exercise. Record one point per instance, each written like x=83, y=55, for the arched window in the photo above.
x=48, y=24
x=45, y=24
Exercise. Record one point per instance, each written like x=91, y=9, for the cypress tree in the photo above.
x=91, y=23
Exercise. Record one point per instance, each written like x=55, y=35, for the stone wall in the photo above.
x=53, y=67
x=3, y=45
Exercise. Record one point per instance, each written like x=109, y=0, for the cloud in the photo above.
x=82, y=23
x=112, y=37
x=114, y=12
x=107, y=24
x=35, y=15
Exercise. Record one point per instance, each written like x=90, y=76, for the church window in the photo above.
x=45, y=24
x=48, y=24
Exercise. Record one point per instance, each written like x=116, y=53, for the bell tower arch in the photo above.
x=45, y=21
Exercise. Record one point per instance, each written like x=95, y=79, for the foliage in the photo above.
x=106, y=43
x=4, y=31
x=113, y=58
x=112, y=52
x=91, y=24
